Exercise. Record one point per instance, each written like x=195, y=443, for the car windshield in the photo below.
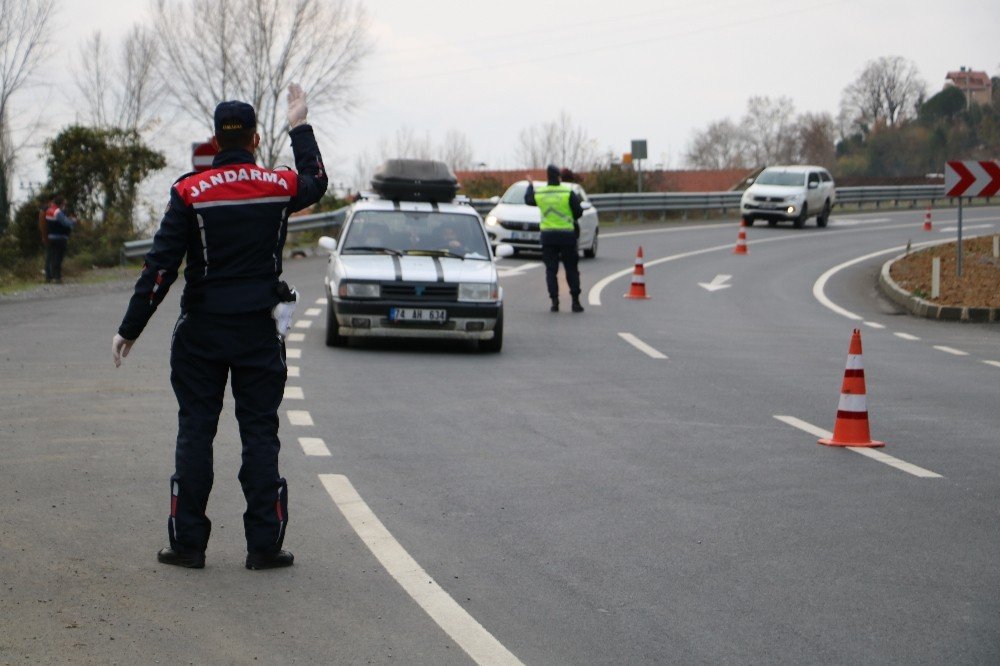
x=515, y=193
x=788, y=178
x=410, y=232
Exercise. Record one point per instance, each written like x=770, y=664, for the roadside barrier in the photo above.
x=638, y=288
x=741, y=239
x=927, y=220
x=851, y=428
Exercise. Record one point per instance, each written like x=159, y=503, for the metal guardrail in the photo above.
x=633, y=202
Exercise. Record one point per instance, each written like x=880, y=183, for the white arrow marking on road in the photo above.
x=717, y=283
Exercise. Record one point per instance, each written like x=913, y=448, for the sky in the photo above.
x=657, y=70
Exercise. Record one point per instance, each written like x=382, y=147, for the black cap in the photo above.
x=552, y=172
x=234, y=116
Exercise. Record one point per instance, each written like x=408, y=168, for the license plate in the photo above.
x=525, y=235
x=418, y=315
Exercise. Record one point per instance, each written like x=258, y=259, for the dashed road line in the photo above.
x=294, y=393
x=951, y=350
x=995, y=364
x=312, y=312
x=293, y=353
x=905, y=336
x=299, y=417
x=320, y=301
x=293, y=371
x=641, y=346
x=313, y=446
x=303, y=323
x=295, y=337
x=873, y=324
x=874, y=454
x=471, y=636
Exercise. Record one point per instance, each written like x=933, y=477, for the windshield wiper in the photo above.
x=372, y=248
x=435, y=253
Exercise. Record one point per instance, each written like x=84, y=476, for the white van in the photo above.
x=793, y=193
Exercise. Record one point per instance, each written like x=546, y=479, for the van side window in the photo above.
x=825, y=176
x=813, y=177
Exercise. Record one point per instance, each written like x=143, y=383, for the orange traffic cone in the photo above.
x=927, y=219
x=638, y=288
x=741, y=241
x=851, y=428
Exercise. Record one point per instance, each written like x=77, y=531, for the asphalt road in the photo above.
x=584, y=497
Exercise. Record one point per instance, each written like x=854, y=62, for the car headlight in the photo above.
x=478, y=291
x=359, y=290
x=492, y=221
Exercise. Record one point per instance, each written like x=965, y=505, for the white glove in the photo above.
x=283, y=313
x=297, y=108
x=120, y=348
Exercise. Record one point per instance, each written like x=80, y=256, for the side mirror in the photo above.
x=327, y=243
x=813, y=184
x=503, y=250
x=586, y=205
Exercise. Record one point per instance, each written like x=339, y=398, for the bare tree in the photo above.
x=817, y=134
x=722, y=145
x=24, y=27
x=769, y=128
x=215, y=50
x=559, y=142
x=886, y=92
x=456, y=150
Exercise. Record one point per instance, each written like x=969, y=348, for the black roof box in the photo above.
x=415, y=180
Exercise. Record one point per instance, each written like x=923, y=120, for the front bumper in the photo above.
x=765, y=211
x=466, y=321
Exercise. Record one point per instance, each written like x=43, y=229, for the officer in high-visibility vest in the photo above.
x=560, y=208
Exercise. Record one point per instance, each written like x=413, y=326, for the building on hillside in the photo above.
x=977, y=86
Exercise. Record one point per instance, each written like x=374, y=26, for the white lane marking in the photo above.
x=993, y=363
x=873, y=324
x=853, y=222
x=295, y=337
x=717, y=283
x=294, y=393
x=303, y=323
x=293, y=353
x=320, y=301
x=478, y=643
x=299, y=417
x=905, y=336
x=516, y=270
x=641, y=346
x=293, y=371
x=312, y=312
x=874, y=454
x=699, y=227
x=965, y=227
x=951, y=350
x=313, y=446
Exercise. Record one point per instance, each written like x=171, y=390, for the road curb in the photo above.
x=923, y=308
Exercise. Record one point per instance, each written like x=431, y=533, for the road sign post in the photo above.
x=969, y=178
x=639, y=154
x=202, y=155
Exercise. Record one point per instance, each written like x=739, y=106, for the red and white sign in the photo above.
x=202, y=154
x=971, y=179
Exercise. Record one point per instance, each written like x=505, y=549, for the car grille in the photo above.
x=520, y=226
x=769, y=199
x=408, y=291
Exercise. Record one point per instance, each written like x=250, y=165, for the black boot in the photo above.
x=190, y=560
x=555, y=305
x=576, y=304
x=282, y=558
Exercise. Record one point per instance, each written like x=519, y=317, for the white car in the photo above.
x=793, y=193
x=413, y=269
x=516, y=223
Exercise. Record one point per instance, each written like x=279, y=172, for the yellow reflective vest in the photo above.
x=553, y=203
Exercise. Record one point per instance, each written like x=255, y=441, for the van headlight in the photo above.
x=359, y=290
x=492, y=221
x=477, y=291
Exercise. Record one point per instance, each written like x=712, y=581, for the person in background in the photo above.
x=229, y=223
x=56, y=227
x=560, y=209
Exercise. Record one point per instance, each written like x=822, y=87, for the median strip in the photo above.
x=641, y=346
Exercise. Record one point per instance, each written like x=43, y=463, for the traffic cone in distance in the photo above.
x=741, y=240
x=927, y=219
x=851, y=428
x=638, y=288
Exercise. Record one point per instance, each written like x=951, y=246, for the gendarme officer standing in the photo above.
x=230, y=223
x=560, y=209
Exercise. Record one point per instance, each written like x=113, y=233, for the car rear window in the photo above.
x=788, y=178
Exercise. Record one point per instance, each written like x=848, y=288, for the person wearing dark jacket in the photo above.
x=560, y=209
x=56, y=227
x=229, y=222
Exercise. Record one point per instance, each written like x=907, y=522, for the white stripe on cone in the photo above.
x=853, y=403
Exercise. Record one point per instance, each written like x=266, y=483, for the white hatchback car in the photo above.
x=793, y=193
x=517, y=224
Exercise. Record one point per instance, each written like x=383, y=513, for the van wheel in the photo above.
x=803, y=216
x=333, y=336
x=823, y=217
x=493, y=346
x=592, y=251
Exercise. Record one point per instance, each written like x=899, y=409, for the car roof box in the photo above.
x=415, y=180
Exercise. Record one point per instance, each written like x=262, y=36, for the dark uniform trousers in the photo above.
x=204, y=350
x=55, y=251
x=561, y=246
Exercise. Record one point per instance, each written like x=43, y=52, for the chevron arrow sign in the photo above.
x=970, y=178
